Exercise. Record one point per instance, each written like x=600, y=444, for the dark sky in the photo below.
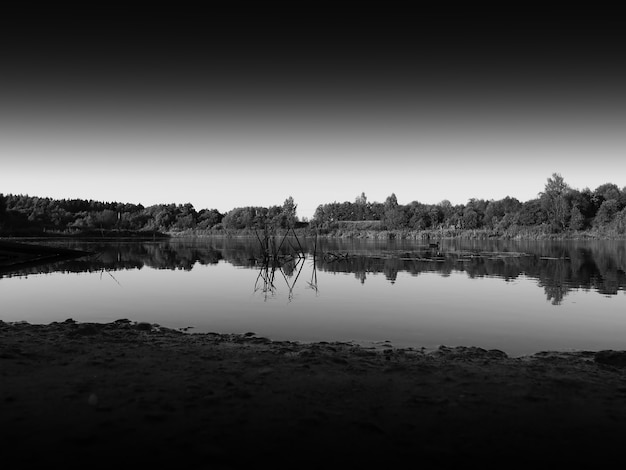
x=441, y=57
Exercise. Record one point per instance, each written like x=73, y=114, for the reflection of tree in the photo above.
x=554, y=278
x=555, y=293
x=391, y=272
x=361, y=276
x=136, y=255
x=557, y=267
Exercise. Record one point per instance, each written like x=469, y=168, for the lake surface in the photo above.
x=520, y=297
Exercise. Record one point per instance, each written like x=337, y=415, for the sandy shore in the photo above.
x=95, y=395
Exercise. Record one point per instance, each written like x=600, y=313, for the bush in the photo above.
x=619, y=222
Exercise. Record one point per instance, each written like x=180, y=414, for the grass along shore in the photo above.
x=344, y=230
x=531, y=233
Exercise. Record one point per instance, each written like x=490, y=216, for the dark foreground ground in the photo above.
x=106, y=395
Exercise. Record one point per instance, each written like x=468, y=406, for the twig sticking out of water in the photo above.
x=298, y=241
x=274, y=258
x=263, y=248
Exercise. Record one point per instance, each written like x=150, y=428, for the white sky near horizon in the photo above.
x=244, y=164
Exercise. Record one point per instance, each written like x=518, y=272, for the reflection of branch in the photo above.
x=268, y=281
x=301, y=263
x=313, y=283
x=290, y=295
x=97, y=256
x=112, y=277
x=257, y=281
x=281, y=243
x=267, y=274
x=287, y=263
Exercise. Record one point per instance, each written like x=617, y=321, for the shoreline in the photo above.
x=527, y=234
x=86, y=392
x=398, y=234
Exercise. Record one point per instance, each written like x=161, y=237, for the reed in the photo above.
x=276, y=257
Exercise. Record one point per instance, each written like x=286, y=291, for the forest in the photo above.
x=24, y=215
x=559, y=209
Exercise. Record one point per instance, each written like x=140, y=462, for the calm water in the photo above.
x=521, y=297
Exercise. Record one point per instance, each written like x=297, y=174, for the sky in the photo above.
x=225, y=112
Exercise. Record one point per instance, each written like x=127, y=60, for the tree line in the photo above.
x=31, y=215
x=23, y=214
x=559, y=208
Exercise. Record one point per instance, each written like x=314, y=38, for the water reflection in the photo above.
x=580, y=268
x=491, y=294
x=289, y=271
x=558, y=267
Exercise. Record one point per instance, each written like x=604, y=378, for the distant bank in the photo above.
x=424, y=235
x=559, y=212
x=530, y=233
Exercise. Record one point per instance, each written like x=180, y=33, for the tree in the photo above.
x=619, y=221
x=391, y=202
x=284, y=216
x=531, y=213
x=105, y=219
x=436, y=216
x=496, y=211
x=186, y=216
x=470, y=218
x=583, y=201
x=606, y=213
x=417, y=216
x=394, y=213
x=473, y=213
x=554, y=202
x=238, y=218
x=577, y=219
x=209, y=218
x=606, y=192
x=289, y=211
x=320, y=216
x=377, y=211
x=361, y=209
x=448, y=213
